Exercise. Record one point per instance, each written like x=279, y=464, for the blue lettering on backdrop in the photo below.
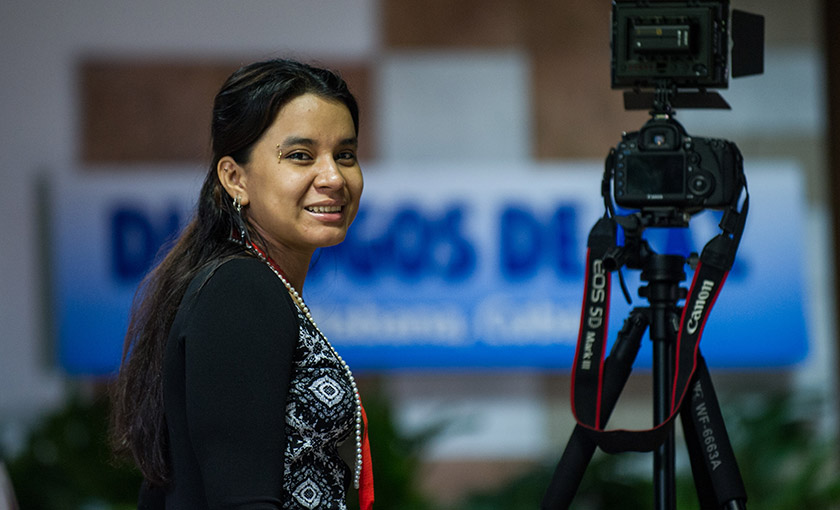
x=409, y=237
x=452, y=251
x=565, y=228
x=416, y=283
x=360, y=256
x=521, y=243
x=526, y=244
x=414, y=244
x=136, y=238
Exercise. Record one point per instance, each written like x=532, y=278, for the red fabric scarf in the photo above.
x=366, y=478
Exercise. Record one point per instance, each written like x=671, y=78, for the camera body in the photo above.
x=661, y=166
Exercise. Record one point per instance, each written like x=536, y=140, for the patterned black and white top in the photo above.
x=320, y=414
x=256, y=401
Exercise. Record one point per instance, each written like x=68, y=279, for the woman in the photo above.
x=229, y=396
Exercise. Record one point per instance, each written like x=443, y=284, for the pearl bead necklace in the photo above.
x=305, y=309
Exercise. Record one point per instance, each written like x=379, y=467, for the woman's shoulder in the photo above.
x=241, y=290
x=241, y=278
x=237, y=271
x=243, y=266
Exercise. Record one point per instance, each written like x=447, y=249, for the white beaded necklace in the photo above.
x=305, y=309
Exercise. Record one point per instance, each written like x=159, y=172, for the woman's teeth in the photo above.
x=325, y=209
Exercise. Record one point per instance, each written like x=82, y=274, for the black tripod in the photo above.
x=714, y=467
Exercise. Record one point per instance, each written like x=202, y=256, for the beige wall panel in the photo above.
x=359, y=78
x=786, y=22
x=158, y=111
x=447, y=23
x=145, y=111
x=576, y=113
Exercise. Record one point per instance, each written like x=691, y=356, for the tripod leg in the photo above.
x=664, y=470
x=579, y=450
x=713, y=464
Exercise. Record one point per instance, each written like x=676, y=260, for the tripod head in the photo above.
x=636, y=250
x=657, y=269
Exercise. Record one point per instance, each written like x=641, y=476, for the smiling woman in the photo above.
x=303, y=192
x=229, y=396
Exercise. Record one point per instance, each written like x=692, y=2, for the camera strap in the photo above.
x=588, y=370
x=587, y=385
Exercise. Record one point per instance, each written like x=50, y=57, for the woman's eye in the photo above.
x=299, y=156
x=346, y=156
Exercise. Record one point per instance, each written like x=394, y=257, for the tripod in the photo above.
x=714, y=467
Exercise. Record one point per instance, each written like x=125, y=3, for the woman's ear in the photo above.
x=233, y=179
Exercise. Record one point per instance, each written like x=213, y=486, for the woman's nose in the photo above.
x=329, y=174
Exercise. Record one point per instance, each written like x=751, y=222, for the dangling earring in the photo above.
x=279, y=154
x=239, y=233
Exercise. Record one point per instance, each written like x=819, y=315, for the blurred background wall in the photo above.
x=101, y=86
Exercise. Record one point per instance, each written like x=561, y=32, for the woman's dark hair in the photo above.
x=243, y=110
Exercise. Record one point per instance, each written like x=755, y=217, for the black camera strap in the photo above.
x=715, y=262
x=713, y=464
x=588, y=370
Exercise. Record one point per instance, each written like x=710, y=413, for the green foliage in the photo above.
x=66, y=463
x=396, y=456
x=611, y=481
x=524, y=492
x=785, y=464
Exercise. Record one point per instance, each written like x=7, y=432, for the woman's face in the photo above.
x=303, y=181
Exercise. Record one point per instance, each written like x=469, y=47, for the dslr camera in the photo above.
x=667, y=55
x=662, y=166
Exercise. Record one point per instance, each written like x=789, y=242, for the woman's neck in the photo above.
x=291, y=264
x=294, y=269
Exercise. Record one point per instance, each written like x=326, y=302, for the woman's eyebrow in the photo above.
x=300, y=140
x=297, y=140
